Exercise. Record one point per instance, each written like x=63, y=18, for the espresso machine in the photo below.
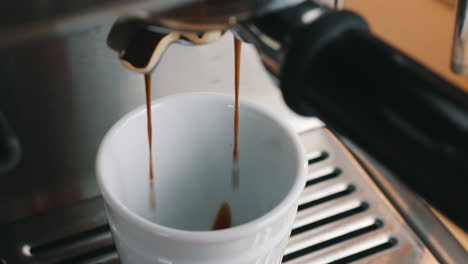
x=389, y=142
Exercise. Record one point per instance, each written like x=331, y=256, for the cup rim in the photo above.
x=208, y=236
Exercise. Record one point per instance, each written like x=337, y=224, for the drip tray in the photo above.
x=343, y=217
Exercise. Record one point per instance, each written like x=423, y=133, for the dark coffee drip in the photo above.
x=223, y=218
x=150, y=138
x=235, y=156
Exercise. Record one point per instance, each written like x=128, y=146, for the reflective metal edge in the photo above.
x=27, y=20
x=408, y=249
x=414, y=210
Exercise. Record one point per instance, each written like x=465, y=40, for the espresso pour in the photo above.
x=235, y=158
x=150, y=139
x=156, y=47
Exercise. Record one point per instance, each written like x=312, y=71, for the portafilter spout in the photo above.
x=141, y=42
x=141, y=45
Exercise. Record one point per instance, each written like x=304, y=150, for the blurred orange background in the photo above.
x=421, y=28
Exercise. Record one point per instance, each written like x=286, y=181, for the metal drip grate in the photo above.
x=342, y=217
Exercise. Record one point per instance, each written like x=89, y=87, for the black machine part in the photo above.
x=407, y=117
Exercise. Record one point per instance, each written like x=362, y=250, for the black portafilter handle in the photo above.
x=406, y=117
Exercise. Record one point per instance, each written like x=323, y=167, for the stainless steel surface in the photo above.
x=415, y=211
x=271, y=40
x=216, y=14
x=336, y=4
x=343, y=217
x=26, y=20
x=59, y=109
x=339, y=4
x=59, y=237
x=460, y=41
x=61, y=104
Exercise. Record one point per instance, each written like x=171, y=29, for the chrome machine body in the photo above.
x=62, y=88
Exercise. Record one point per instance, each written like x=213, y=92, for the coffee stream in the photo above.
x=150, y=138
x=235, y=155
x=223, y=217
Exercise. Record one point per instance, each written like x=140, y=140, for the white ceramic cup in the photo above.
x=193, y=144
